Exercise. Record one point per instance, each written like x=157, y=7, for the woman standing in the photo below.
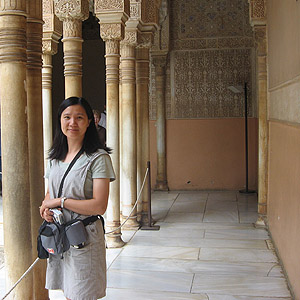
x=80, y=273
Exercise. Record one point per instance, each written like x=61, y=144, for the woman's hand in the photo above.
x=48, y=203
x=46, y=214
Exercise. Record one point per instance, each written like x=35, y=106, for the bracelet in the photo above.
x=62, y=200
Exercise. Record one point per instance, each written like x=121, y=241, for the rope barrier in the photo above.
x=21, y=278
x=37, y=259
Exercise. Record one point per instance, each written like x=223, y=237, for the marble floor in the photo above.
x=207, y=248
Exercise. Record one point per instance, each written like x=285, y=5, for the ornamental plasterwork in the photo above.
x=132, y=37
x=49, y=46
x=201, y=80
x=71, y=9
x=212, y=45
x=111, y=31
x=119, y=5
x=257, y=11
x=146, y=40
x=260, y=40
x=135, y=9
x=150, y=13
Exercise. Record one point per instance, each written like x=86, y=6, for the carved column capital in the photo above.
x=72, y=9
x=112, y=31
x=146, y=39
x=159, y=61
x=52, y=28
x=257, y=12
x=14, y=6
x=112, y=16
x=260, y=37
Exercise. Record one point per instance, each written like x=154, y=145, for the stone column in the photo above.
x=112, y=25
x=258, y=22
x=72, y=13
x=160, y=77
x=52, y=31
x=261, y=43
x=142, y=115
x=14, y=135
x=128, y=167
x=35, y=134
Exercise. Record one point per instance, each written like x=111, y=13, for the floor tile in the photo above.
x=191, y=242
x=240, y=285
x=164, y=196
x=248, y=217
x=192, y=266
x=161, y=252
x=111, y=255
x=170, y=232
x=251, y=234
x=188, y=207
x=134, y=294
x=198, y=197
x=184, y=217
x=238, y=255
x=221, y=216
x=231, y=297
x=217, y=205
x=152, y=281
x=221, y=195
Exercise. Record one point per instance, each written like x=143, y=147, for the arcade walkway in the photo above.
x=206, y=249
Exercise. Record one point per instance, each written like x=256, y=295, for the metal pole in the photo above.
x=246, y=191
x=150, y=226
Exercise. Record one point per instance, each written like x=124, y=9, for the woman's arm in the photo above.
x=95, y=206
x=44, y=210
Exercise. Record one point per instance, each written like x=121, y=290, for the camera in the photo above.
x=58, y=216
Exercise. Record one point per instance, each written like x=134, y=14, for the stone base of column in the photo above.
x=161, y=186
x=261, y=221
x=114, y=240
x=144, y=219
x=131, y=224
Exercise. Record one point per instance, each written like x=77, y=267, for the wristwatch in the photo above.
x=62, y=200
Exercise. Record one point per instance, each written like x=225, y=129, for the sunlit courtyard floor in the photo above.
x=207, y=248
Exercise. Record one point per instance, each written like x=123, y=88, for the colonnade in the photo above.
x=26, y=49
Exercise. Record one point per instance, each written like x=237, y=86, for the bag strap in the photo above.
x=67, y=171
x=92, y=219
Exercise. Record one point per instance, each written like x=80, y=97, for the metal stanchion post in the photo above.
x=150, y=225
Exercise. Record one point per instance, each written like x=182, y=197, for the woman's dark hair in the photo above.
x=91, y=141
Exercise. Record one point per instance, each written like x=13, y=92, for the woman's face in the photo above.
x=74, y=122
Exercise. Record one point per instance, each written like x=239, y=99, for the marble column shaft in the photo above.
x=112, y=56
x=142, y=114
x=128, y=127
x=160, y=77
x=261, y=45
x=14, y=142
x=72, y=46
x=35, y=135
x=47, y=103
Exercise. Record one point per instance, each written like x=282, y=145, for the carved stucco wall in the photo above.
x=212, y=47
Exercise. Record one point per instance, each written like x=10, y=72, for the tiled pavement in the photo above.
x=206, y=249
